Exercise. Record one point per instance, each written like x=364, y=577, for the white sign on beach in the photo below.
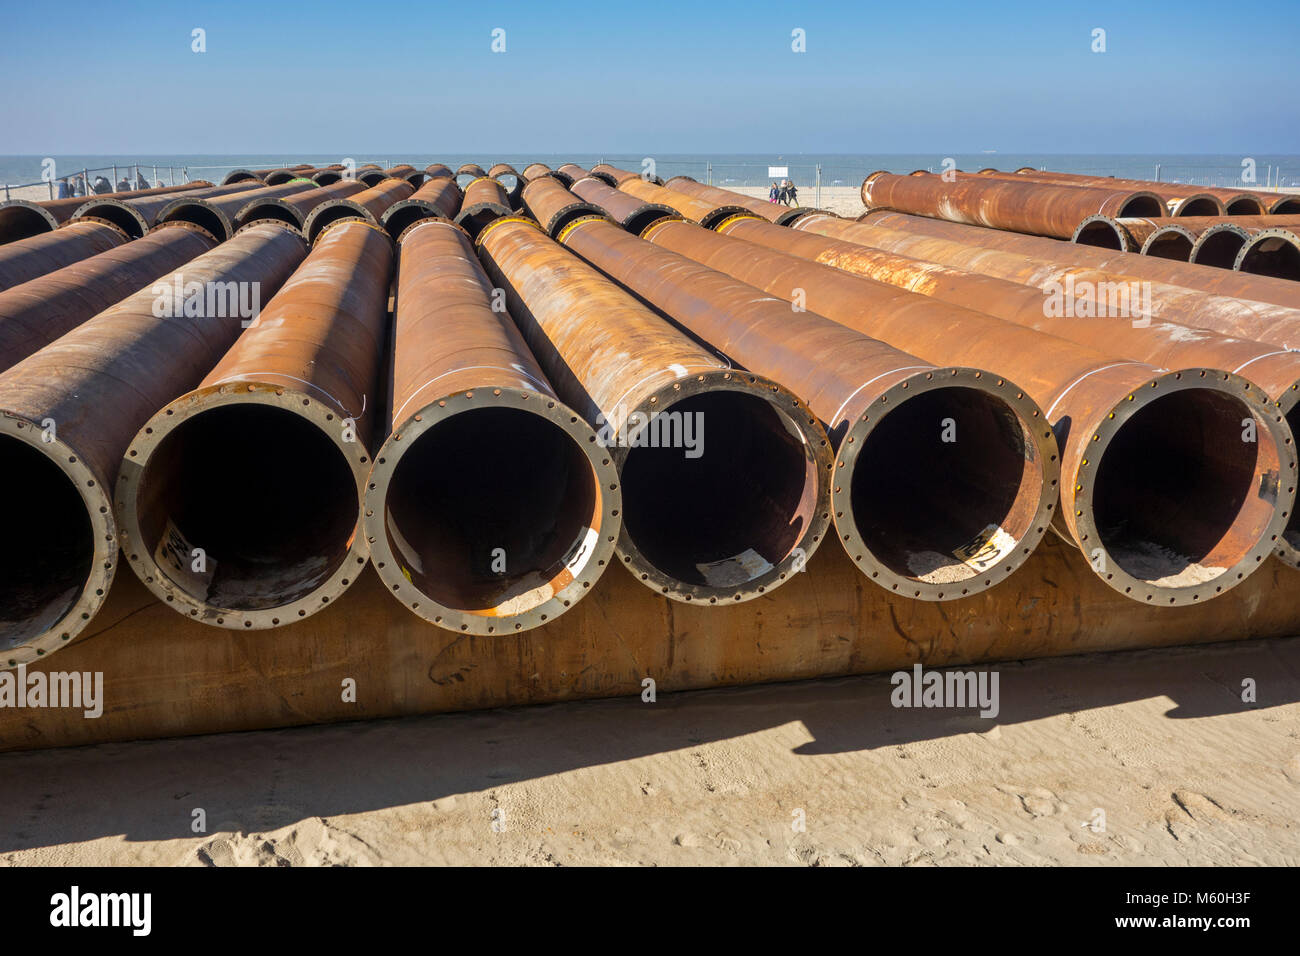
x=778, y=172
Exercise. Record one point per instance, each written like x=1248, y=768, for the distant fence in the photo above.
x=117, y=178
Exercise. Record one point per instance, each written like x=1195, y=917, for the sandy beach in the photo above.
x=1154, y=746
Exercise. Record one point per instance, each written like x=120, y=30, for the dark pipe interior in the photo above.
x=1176, y=499
x=406, y=216
x=742, y=504
x=201, y=215
x=122, y=217
x=1170, y=244
x=1274, y=256
x=327, y=177
x=271, y=210
x=1142, y=206
x=51, y=547
x=269, y=498
x=1220, y=249
x=1246, y=206
x=1287, y=207
x=925, y=506
x=329, y=214
x=488, y=479
x=19, y=222
x=1200, y=206
x=1102, y=234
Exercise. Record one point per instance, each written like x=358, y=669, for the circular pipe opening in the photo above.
x=1199, y=206
x=1180, y=496
x=1102, y=232
x=728, y=494
x=20, y=218
x=51, y=549
x=328, y=213
x=1142, y=205
x=120, y=214
x=1219, y=247
x=491, y=511
x=1277, y=256
x=1286, y=207
x=1245, y=206
x=272, y=530
x=200, y=214
x=1170, y=242
x=943, y=490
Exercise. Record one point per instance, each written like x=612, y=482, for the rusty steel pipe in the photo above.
x=485, y=199
x=1272, y=252
x=773, y=212
x=33, y=314
x=372, y=177
x=27, y=259
x=705, y=212
x=554, y=206
x=217, y=214
x=572, y=172
x=521, y=530
x=471, y=169
x=510, y=181
x=1178, y=200
x=292, y=209
x=328, y=177
x=925, y=517
x=533, y=170
x=1033, y=260
x=1042, y=209
x=293, y=400
x=240, y=176
x=68, y=413
x=1114, y=322
x=1236, y=202
x=1246, y=318
x=438, y=198
x=1219, y=245
x=628, y=211
x=369, y=205
x=21, y=218
x=135, y=217
x=1158, y=527
x=616, y=177
x=1227, y=315
x=720, y=517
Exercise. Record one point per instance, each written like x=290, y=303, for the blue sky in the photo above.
x=668, y=76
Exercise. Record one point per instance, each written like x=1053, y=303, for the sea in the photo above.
x=805, y=169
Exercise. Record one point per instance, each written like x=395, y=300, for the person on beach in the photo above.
x=64, y=191
x=102, y=186
x=140, y=181
x=79, y=186
x=792, y=193
x=773, y=194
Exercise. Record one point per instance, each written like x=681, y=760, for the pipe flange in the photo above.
x=1040, y=445
x=1087, y=534
x=33, y=644
x=586, y=561
x=324, y=416
x=795, y=415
